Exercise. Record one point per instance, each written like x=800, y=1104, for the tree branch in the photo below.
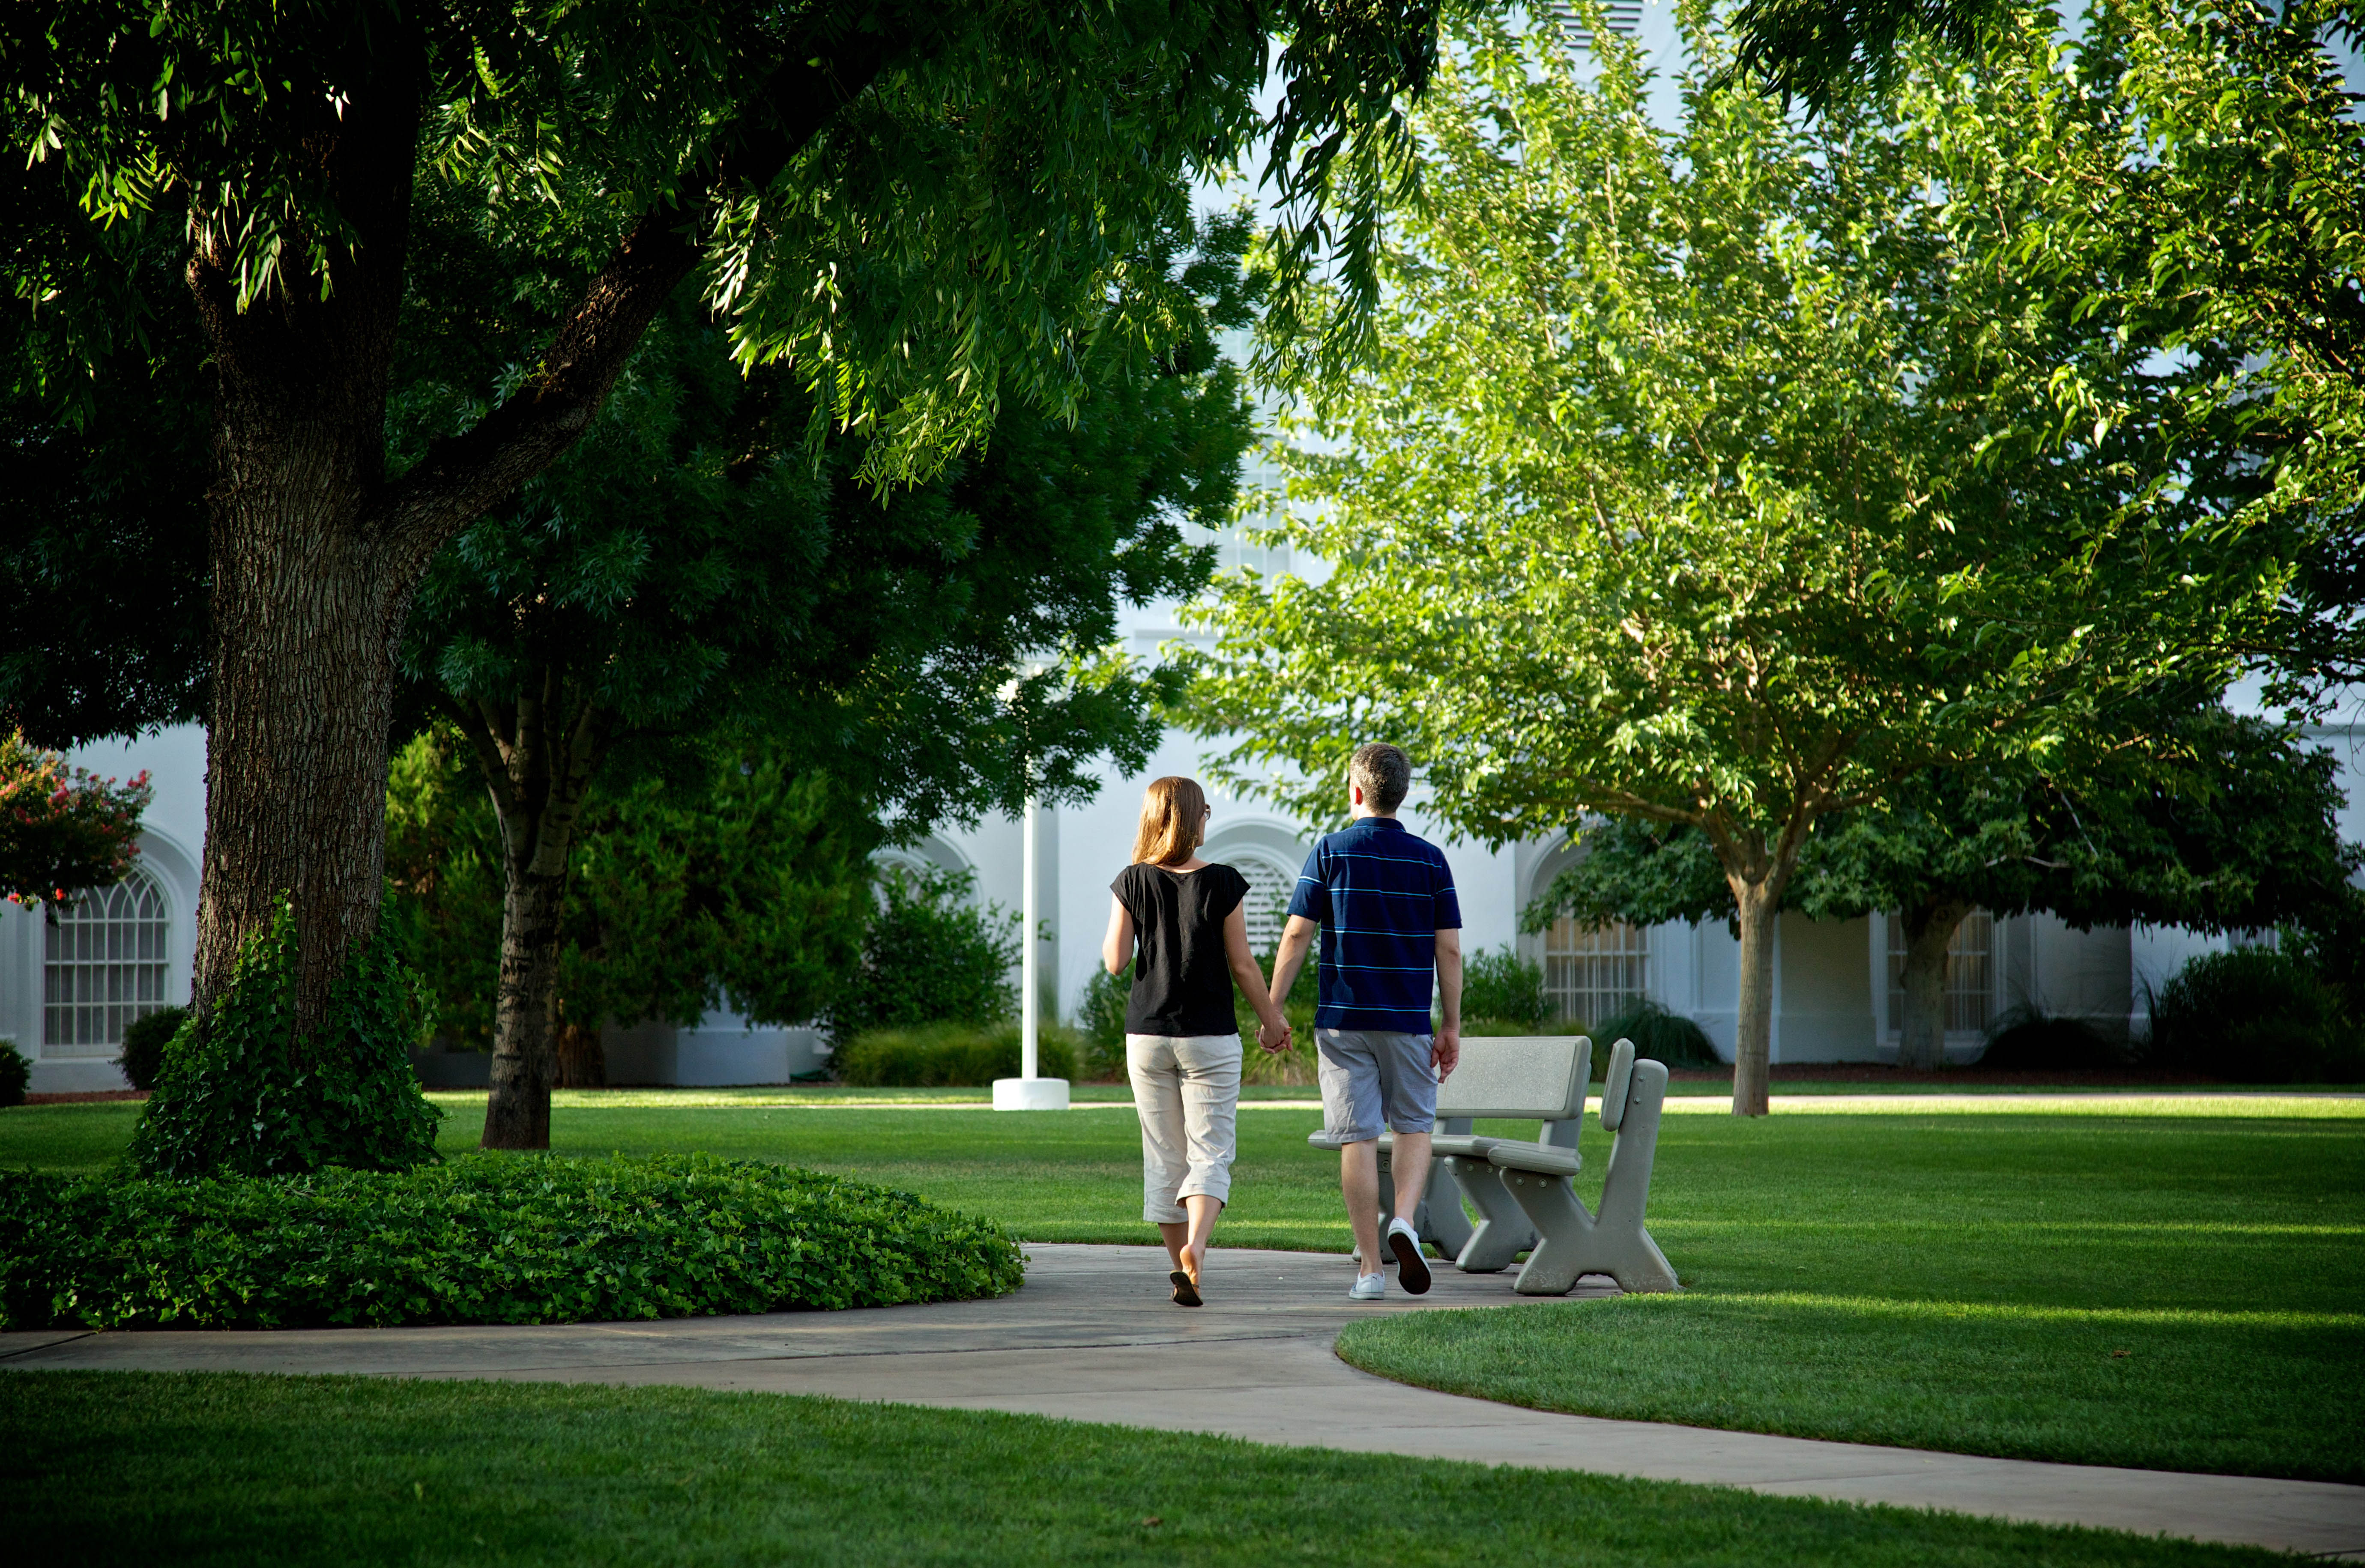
x=461, y=477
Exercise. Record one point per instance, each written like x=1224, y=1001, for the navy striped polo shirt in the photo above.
x=1381, y=895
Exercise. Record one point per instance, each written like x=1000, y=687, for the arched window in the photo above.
x=108, y=958
x=1593, y=972
x=1971, y=974
x=1267, y=905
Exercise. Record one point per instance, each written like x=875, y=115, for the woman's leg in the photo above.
x=1210, y=1090
x=1165, y=1161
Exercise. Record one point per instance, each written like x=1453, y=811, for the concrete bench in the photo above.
x=1524, y=1191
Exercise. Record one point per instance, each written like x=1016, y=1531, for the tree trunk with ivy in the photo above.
x=316, y=551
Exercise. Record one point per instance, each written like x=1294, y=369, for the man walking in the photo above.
x=1384, y=903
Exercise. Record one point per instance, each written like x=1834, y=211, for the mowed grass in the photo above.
x=202, y=1469
x=1954, y=1280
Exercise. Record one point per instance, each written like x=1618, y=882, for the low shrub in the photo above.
x=239, y=1093
x=1501, y=986
x=144, y=1040
x=2254, y=1016
x=930, y=956
x=1100, y=1021
x=1658, y=1036
x=16, y=1073
x=2029, y=1039
x=948, y=1055
x=483, y=1239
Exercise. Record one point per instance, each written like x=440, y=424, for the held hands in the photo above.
x=1273, y=1037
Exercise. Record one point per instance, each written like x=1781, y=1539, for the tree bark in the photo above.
x=1922, y=1033
x=1757, y=875
x=539, y=758
x=1760, y=907
x=305, y=610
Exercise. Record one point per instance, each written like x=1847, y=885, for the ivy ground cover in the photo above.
x=478, y=1240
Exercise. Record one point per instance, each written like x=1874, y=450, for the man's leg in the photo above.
x=1409, y=1156
x=1359, y=1180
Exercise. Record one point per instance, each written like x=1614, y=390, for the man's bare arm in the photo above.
x=1445, y=1051
x=1296, y=941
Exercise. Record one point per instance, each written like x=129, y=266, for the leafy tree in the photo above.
x=2233, y=827
x=930, y=956
x=917, y=212
x=2206, y=201
x=63, y=829
x=1701, y=478
x=730, y=877
x=691, y=565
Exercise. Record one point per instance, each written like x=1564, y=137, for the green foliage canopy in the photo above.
x=1711, y=475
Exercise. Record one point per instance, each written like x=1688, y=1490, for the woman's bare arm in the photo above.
x=1117, y=947
x=1272, y=1032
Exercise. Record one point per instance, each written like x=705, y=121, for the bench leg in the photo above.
x=1502, y=1232
x=1621, y=1248
x=1564, y=1230
x=1442, y=1219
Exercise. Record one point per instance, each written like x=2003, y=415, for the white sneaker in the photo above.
x=1368, y=1287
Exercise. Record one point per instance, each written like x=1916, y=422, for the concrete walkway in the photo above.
x=1092, y=1337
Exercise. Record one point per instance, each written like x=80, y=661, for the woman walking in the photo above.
x=1178, y=921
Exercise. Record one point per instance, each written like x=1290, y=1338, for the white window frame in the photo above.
x=1973, y=1000
x=106, y=960
x=1609, y=964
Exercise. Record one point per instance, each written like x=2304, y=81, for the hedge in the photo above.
x=483, y=1239
x=948, y=1055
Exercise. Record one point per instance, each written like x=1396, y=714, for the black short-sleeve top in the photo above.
x=1180, y=982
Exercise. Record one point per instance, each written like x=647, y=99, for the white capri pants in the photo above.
x=1187, y=1090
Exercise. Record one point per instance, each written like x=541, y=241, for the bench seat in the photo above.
x=1506, y=1153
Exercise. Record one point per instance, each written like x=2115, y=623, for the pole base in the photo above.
x=1030, y=1094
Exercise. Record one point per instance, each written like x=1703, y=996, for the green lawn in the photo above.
x=234, y=1469
x=1950, y=1280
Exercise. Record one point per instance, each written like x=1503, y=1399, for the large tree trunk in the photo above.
x=1760, y=906
x=308, y=600
x=315, y=554
x=1921, y=1033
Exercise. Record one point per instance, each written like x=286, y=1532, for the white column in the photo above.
x=1030, y=1091
x=1030, y=998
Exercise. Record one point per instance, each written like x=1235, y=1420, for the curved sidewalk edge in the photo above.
x=1258, y=1365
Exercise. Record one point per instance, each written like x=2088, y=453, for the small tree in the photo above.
x=690, y=566
x=2234, y=826
x=931, y=956
x=1699, y=480
x=726, y=876
x=63, y=829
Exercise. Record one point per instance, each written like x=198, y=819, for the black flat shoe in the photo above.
x=1185, y=1293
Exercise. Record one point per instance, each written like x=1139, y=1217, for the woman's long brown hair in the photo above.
x=1173, y=814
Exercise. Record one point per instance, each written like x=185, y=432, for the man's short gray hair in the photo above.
x=1382, y=772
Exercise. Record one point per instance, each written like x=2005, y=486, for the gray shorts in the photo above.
x=1371, y=1078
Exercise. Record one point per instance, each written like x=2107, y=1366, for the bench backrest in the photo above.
x=1519, y=1077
